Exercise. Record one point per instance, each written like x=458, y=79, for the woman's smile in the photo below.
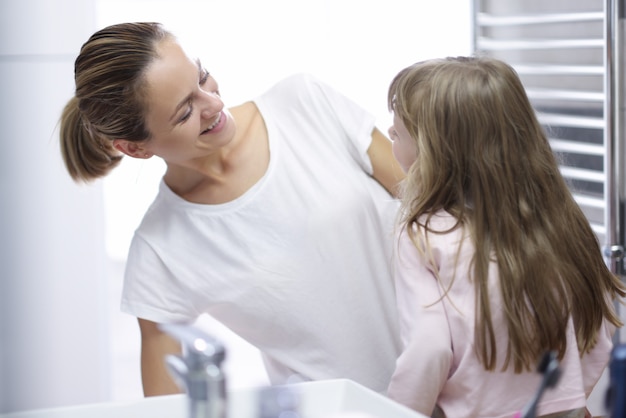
x=217, y=125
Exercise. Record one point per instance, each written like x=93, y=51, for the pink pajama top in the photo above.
x=438, y=365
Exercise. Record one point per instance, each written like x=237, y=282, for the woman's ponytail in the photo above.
x=87, y=155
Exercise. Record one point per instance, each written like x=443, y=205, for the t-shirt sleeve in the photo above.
x=424, y=364
x=150, y=290
x=339, y=119
x=594, y=362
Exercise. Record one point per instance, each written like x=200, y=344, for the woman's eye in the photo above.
x=204, y=77
x=187, y=114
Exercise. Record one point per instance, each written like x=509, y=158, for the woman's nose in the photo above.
x=211, y=104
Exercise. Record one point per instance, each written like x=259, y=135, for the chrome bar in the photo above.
x=614, y=132
x=574, y=147
x=475, y=11
x=550, y=94
x=538, y=69
x=598, y=229
x=582, y=174
x=553, y=119
x=590, y=202
x=490, y=44
x=484, y=19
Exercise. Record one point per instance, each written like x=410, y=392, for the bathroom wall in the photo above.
x=53, y=345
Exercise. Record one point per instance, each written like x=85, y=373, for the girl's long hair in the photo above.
x=483, y=157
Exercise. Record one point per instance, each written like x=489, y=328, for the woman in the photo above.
x=273, y=216
x=496, y=262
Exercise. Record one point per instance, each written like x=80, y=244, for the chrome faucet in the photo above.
x=199, y=370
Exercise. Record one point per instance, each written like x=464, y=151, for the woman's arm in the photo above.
x=155, y=345
x=386, y=169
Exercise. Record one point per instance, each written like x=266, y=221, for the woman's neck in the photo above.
x=232, y=170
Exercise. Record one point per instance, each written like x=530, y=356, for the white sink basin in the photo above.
x=321, y=399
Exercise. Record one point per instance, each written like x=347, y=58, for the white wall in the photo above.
x=52, y=318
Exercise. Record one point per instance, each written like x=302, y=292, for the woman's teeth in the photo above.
x=214, y=124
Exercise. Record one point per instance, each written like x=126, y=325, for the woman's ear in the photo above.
x=131, y=148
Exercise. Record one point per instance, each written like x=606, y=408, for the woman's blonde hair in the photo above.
x=483, y=157
x=108, y=102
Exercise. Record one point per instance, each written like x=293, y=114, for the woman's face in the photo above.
x=185, y=113
x=404, y=147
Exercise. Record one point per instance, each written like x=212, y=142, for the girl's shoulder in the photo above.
x=444, y=233
x=441, y=222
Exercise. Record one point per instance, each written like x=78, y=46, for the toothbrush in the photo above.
x=549, y=367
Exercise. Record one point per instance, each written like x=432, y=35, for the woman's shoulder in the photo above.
x=300, y=94
x=301, y=85
x=299, y=79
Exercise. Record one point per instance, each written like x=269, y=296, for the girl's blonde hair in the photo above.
x=108, y=103
x=483, y=157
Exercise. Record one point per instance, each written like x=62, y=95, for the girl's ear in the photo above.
x=131, y=148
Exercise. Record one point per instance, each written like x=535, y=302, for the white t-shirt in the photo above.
x=300, y=265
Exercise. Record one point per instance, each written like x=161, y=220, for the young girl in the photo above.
x=496, y=263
